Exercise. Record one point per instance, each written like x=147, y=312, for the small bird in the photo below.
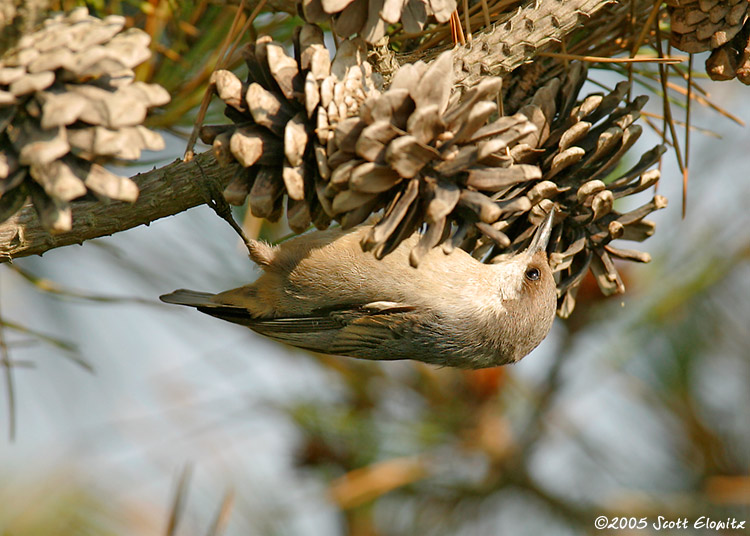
x=320, y=291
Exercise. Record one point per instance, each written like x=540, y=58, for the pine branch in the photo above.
x=515, y=42
x=507, y=45
x=163, y=192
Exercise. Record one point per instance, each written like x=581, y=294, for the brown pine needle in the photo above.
x=199, y=11
x=256, y=11
x=168, y=53
x=368, y=483
x=222, y=516
x=704, y=101
x=659, y=132
x=680, y=71
x=457, y=33
x=667, y=105
x=633, y=52
x=701, y=130
x=178, y=502
x=437, y=34
x=601, y=59
x=231, y=35
x=70, y=349
x=687, y=137
x=437, y=37
x=467, y=21
x=651, y=17
x=49, y=286
x=189, y=152
x=486, y=14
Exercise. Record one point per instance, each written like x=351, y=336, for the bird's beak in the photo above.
x=541, y=237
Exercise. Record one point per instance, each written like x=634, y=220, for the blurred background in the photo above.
x=128, y=416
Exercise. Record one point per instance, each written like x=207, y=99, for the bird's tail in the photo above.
x=191, y=298
x=204, y=302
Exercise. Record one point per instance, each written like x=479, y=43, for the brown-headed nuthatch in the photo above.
x=319, y=291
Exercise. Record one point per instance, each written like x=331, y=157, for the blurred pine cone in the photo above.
x=68, y=101
x=434, y=158
x=370, y=18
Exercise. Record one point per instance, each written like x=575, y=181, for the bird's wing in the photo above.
x=370, y=335
x=354, y=330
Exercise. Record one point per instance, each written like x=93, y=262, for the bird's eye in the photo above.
x=532, y=274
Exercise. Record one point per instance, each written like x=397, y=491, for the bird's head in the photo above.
x=528, y=292
x=528, y=273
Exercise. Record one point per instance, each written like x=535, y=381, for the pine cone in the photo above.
x=722, y=27
x=68, y=101
x=732, y=60
x=283, y=118
x=577, y=146
x=429, y=155
x=700, y=25
x=370, y=18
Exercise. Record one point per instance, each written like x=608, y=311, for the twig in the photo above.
x=163, y=192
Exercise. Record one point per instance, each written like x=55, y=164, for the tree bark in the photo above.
x=163, y=192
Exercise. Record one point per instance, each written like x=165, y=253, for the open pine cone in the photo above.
x=429, y=156
x=283, y=117
x=370, y=18
x=577, y=145
x=68, y=101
